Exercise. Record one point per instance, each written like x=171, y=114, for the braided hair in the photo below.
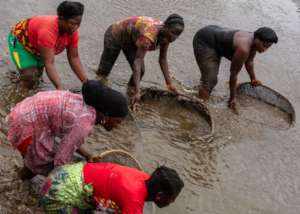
x=174, y=19
x=70, y=9
x=165, y=180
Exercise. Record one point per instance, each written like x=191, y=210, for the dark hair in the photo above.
x=104, y=99
x=174, y=19
x=165, y=180
x=266, y=34
x=70, y=9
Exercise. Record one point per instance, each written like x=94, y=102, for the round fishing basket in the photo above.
x=189, y=102
x=269, y=96
x=118, y=156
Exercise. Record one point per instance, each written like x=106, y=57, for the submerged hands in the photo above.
x=85, y=153
x=59, y=87
x=232, y=104
x=172, y=88
x=134, y=101
x=255, y=82
x=94, y=159
x=134, y=96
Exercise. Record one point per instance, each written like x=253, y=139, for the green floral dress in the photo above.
x=64, y=191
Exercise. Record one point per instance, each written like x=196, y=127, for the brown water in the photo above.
x=168, y=117
x=259, y=112
x=250, y=167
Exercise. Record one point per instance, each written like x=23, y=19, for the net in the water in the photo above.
x=120, y=157
x=274, y=110
x=190, y=113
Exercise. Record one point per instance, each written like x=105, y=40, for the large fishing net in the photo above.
x=268, y=96
x=191, y=103
x=118, y=156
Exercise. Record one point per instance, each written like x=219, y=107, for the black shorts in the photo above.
x=208, y=61
x=111, y=52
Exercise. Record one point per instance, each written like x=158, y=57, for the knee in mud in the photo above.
x=29, y=78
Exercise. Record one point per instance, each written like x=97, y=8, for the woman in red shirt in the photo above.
x=83, y=187
x=34, y=42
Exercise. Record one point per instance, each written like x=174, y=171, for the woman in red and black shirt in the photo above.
x=34, y=42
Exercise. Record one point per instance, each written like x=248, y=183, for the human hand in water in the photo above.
x=134, y=101
x=59, y=87
x=232, y=104
x=94, y=159
x=172, y=88
x=255, y=82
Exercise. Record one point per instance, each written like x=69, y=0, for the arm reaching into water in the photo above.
x=249, y=65
x=47, y=55
x=237, y=62
x=136, y=68
x=75, y=63
x=165, y=68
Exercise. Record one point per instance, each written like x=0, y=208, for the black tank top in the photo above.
x=219, y=38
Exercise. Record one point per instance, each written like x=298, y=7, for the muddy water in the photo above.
x=168, y=117
x=248, y=168
x=259, y=112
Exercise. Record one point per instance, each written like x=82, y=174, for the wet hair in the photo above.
x=70, y=9
x=174, y=19
x=266, y=34
x=109, y=102
x=165, y=180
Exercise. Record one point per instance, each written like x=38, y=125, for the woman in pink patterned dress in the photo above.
x=49, y=127
x=135, y=36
